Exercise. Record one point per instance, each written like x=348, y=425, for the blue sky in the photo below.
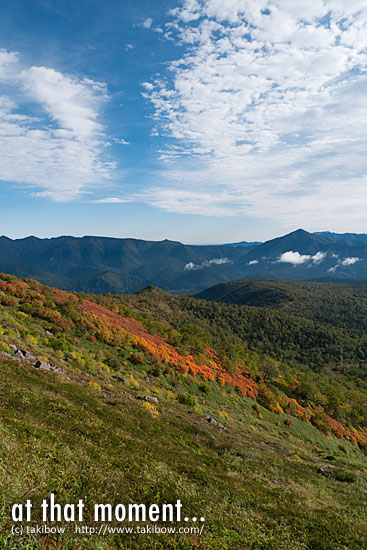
x=197, y=120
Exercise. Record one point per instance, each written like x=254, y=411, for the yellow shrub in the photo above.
x=151, y=408
x=223, y=414
x=133, y=381
x=95, y=386
x=31, y=340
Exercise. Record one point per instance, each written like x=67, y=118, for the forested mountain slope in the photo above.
x=152, y=397
x=101, y=264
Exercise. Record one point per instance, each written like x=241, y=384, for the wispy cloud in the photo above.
x=147, y=23
x=110, y=200
x=267, y=106
x=345, y=263
x=57, y=144
x=296, y=258
x=207, y=263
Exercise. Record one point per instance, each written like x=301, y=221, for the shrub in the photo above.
x=187, y=400
x=151, y=408
x=6, y=300
x=344, y=475
x=60, y=344
x=137, y=359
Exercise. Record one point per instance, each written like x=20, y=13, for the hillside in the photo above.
x=338, y=304
x=101, y=264
x=140, y=398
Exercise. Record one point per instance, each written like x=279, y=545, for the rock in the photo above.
x=28, y=354
x=121, y=379
x=152, y=399
x=211, y=420
x=51, y=367
x=13, y=347
x=43, y=365
x=6, y=355
x=23, y=355
x=147, y=398
x=325, y=470
x=49, y=333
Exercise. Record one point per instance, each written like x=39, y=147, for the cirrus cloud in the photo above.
x=267, y=106
x=55, y=145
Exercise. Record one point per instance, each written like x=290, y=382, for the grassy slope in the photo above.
x=82, y=434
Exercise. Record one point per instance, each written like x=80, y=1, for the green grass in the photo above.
x=84, y=435
x=256, y=483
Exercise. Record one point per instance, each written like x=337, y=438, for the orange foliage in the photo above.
x=159, y=350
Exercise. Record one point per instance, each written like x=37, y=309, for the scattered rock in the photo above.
x=325, y=470
x=121, y=379
x=27, y=355
x=147, y=398
x=6, y=355
x=48, y=333
x=51, y=367
x=13, y=347
x=211, y=420
x=152, y=399
x=18, y=356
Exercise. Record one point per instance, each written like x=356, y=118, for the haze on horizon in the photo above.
x=193, y=120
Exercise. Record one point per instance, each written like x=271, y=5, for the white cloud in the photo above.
x=110, y=200
x=267, y=106
x=318, y=257
x=57, y=145
x=207, y=263
x=350, y=261
x=71, y=102
x=296, y=258
x=147, y=23
x=122, y=141
x=346, y=262
x=253, y=262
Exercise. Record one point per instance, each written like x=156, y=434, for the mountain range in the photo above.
x=102, y=264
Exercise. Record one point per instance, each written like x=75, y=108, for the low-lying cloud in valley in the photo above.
x=344, y=263
x=207, y=263
x=296, y=258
